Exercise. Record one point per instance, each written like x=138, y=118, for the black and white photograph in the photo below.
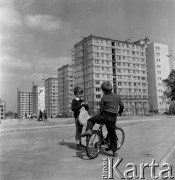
x=87, y=89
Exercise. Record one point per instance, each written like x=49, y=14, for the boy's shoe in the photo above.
x=83, y=146
x=79, y=147
x=115, y=154
x=107, y=149
x=87, y=133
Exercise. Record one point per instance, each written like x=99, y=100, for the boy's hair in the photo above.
x=78, y=90
x=106, y=87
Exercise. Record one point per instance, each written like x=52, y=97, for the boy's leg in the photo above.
x=78, y=133
x=112, y=135
x=90, y=123
x=79, y=129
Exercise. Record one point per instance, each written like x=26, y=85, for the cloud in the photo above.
x=9, y=16
x=14, y=64
x=49, y=66
x=44, y=22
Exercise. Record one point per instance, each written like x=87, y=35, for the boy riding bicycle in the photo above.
x=109, y=105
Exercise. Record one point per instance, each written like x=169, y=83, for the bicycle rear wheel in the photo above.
x=93, y=145
x=121, y=137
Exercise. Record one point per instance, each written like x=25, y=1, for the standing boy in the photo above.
x=109, y=105
x=77, y=103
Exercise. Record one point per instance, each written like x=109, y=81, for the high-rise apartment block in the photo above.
x=38, y=99
x=66, y=76
x=51, y=97
x=24, y=104
x=158, y=70
x=2, y=109
x=99, y=59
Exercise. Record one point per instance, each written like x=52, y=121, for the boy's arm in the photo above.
x=75, y=106
x=121, y=106
x=101, y=104
x=86, y=107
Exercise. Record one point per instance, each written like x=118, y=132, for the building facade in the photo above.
x=158, y=70
x=99, y=59
x=66, y=76
x=24, y=104
x=51, y=97
x=2, y=109
x=38, y=99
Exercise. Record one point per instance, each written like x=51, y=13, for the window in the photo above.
x=108, y=75
x=98, y=96
x=107, y=62
x=97, y=75
x=97, y=89
x=97, y=68
x=97, y=61
x=97, y=82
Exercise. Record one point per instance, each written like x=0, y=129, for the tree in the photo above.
x=9, y=114
x=170, y=86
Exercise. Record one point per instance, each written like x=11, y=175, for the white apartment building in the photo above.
x=38, y=99
x=51, y=97
x=158, y=70
x=99, y=59
x=66, y=76
x=24, y=104
x=2, y=109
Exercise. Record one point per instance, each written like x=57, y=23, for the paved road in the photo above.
x=46, y=151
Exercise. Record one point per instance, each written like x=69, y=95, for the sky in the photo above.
x=36, y=36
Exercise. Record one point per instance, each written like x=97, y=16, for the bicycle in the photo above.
x=96, y=140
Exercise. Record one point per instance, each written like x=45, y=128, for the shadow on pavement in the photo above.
x=71, y=145
x=79, y=153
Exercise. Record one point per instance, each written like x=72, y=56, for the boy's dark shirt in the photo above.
x=110, y=103
x=76, y=106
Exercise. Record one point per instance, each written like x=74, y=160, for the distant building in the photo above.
x=38, y=99
x=2, y=109
x=24, y=103
x=51, y=97
x=99, y=59
x=66, y=76
x=158, y=70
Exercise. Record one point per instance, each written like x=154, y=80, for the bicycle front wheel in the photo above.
x=121, y=137
x=93, y=145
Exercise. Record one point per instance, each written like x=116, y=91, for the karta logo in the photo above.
x=111, y=168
